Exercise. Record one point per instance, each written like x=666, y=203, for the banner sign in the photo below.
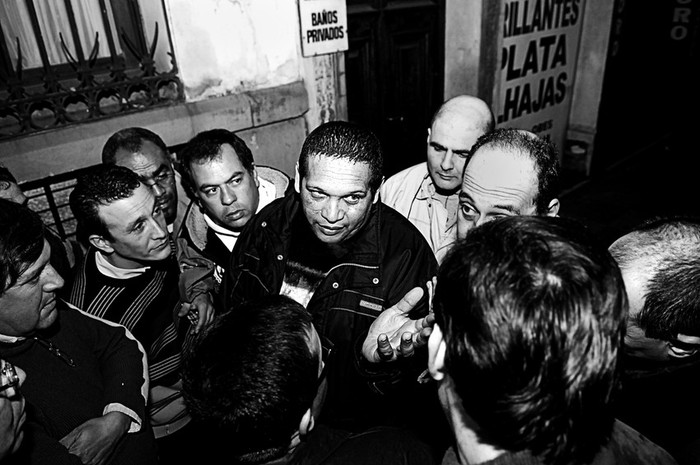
x=324, y=26
x=538, y=64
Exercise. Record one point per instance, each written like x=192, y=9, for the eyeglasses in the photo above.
x=162, y=179
x=8, y=378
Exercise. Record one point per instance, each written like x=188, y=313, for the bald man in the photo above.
x=427, y=193
x=510, y=172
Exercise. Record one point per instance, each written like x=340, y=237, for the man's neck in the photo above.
x=114, y=266
x=467, y=445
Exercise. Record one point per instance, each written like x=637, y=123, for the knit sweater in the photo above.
x=147, y=305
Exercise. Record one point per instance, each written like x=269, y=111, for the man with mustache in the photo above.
x=144, y=152
x=130, y=276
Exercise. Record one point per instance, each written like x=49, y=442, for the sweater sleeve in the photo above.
x=123, y=364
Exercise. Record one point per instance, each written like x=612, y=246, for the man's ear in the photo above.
x=688, y=346
x=297, y=180
x=428, y=138
x=4, y=185
x=436, y=354
x=306, y=424
x=100, y=243
x=553, y=208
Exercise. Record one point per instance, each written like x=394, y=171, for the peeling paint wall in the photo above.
x=230, y=46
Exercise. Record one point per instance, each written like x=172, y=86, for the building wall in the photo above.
x=241, y=67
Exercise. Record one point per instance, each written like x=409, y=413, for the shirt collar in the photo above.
x=111, y=271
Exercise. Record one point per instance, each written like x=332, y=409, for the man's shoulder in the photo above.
x=277, y=178
x=403, y=186
x=629, y=446
x=392, y=221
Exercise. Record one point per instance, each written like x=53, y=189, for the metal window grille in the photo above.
x=87, y=86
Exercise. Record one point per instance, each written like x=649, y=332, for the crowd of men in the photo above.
x=210, y=307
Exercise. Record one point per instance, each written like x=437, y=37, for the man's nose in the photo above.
x=54, y=280
x=446, y=163
x=158, y=191
x=332, y=211
x=227, y=196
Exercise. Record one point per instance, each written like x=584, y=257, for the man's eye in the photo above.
x=353, y=199
x=466, y=210
x=439, y=148
x=210, y=191
x=316, y=195
x=235, y=181
x=138, y=227
x=461, y=154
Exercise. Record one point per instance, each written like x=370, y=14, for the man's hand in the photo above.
x=94, y=441
x=393, y=334
x=200, y=311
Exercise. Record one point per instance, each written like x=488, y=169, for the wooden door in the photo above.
x=394, y=73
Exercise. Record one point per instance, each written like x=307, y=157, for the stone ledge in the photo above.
x=61, y=150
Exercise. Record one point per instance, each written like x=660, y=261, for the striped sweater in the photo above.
x=147, y=305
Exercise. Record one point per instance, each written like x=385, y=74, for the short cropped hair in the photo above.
x=100, y=186
x=532, y=312
x=205, y=147
x=21, y=241
x=348, y=141
x=541, y=151
x=131, y=140
x=665, y=253
x=251, y=376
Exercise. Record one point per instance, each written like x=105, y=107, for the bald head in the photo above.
x=455, y=127
x=660, y=264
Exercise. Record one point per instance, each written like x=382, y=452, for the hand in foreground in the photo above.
x=393, y=334
x=200, y=311
x=94, y=441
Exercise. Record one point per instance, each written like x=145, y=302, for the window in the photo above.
x=68, y=61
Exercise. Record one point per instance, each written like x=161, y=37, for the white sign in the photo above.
x=324, y=26
x=538, y=63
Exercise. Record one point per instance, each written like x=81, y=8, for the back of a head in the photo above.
x=475, y=110
x=101, y=185
x=541, y=151
x=251, y=376
x=343, y=140
x=533, y=309
x=6, y=175
x=21, y=241
x=206, y=146
x=664, y=254
x=131, y=140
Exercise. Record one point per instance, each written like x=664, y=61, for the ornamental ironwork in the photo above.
x=108, y=81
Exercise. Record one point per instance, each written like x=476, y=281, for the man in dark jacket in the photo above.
x=336, y=249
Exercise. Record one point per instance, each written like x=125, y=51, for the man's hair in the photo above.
x=6, y=175
x=532, y=312
x=348, y=141
x=21, y=241
x=541, y=151
x=205, y=147
x=251, y=376
x=665, y=253
x=131, y=140
x=100, y=186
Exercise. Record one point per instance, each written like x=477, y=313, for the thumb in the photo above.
x=184, y=309
x=409, y=301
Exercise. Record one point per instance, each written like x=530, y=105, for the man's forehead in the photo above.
x=149, y=157
x=496, y=171
x=119, y=213
x=37, y=265
x=341, y=172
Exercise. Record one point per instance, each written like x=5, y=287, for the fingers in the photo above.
x=431, y=291
x=406, y=347
x=384, y=350
x=421, y=338
x=184, y=309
